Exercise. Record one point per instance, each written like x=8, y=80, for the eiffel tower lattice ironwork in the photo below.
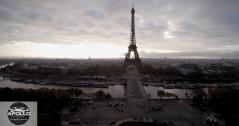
x=132, y=46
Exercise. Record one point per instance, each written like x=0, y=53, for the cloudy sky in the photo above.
x=101, y=28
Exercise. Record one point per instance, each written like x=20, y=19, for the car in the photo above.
x=76, y=122
x=115, y=105
x=90, y=102
x=122, y=104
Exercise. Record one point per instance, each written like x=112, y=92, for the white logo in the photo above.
x=18, y=113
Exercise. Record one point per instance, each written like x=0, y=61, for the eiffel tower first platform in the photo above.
x=135, y=60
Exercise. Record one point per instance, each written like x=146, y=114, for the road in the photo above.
x=136, y=95
x=135, y=89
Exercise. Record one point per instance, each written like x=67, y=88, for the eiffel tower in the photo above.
x=132, y=46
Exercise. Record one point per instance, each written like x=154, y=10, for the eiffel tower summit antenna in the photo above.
x=132, y=45
x=132, y=3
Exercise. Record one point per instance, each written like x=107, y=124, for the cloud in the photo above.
x=185, y=25
x=94, y=13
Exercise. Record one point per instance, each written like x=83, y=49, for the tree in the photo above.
x=108, y=96
x=100, y=94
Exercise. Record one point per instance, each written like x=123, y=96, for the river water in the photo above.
x=116, y=91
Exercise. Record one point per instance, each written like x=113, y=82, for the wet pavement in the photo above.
x=101, y=113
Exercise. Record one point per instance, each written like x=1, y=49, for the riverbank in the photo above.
x=115, y=90
x=105, y=84
x=193, y=85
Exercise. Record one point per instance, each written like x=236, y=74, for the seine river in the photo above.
x=116, y=91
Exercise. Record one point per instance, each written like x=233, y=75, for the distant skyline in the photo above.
x=101, y=28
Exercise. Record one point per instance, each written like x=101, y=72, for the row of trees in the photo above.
x=222, y=101
x=226, y=103
x=96, y=70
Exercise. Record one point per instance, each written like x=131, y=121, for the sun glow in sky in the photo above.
x=51, y=50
